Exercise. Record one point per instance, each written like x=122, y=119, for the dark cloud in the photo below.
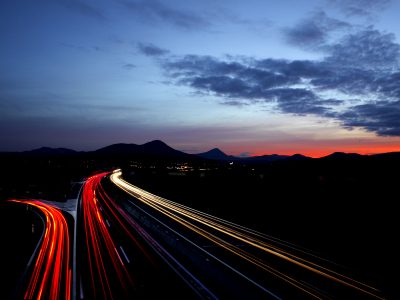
x=296, y=68
x=389, y=85
x=206, y=72
x=129, y=66
x=243, y=82
x=346, y=80
x=360, y=7
x=84, y=8
x=366, y=48
x=297, y=101
x=156, y=11
x=305, y=34
x=245, y=154
x=151, y=50
x=314, y=31
x=382, y=117
x=369, y=49
x=363, y=65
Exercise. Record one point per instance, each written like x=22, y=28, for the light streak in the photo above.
x=51, y=274
x=97, y=208
x=221, y=232
x=103, y=258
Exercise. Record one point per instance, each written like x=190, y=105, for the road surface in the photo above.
x=253, y=265
x=50, y=271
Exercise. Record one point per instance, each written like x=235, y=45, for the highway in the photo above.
x=116, y=259
x=131, y=243
x=50, y=276
x=259, y=265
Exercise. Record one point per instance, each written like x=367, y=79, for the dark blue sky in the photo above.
x=250, y=77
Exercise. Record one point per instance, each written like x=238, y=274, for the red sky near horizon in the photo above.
x=317, y=149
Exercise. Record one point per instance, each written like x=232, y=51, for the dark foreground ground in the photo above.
x=345, y=214
x=343, y=208
x=20, y=232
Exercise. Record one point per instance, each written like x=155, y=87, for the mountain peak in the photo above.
x=342, y=155
x=155, y=142
x=214, y=153
x=154, y=148
x=299, y=156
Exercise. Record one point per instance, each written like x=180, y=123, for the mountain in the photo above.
x=388, y=155
x=266, y=158
x=215, y=154
x=151, y=149
x=158, y=147
x=341, y=156
x=120, y=148
x=50, y=151
x=160, y=150
x=298, y=157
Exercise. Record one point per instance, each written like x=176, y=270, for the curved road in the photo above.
x=133, y=244
x=51, y=272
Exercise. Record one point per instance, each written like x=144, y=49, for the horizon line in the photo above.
x=197, y=153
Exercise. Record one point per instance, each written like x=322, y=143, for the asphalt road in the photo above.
x=49, y=271
x=236, y=262
x=115, y=257
x=133, y=244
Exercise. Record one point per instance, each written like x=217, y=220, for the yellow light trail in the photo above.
x=185, y=215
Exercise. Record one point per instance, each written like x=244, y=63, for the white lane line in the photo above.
x=123, y=252
x=206, y=252
x=81, y=289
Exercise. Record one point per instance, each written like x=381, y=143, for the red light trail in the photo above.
x=104, y=256
x=51, y=275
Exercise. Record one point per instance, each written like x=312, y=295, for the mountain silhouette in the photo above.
x=341, y=156
x=50, y=151
x=158, y=149
x=266, y=158
x=298, y=157
x=388, y=155
x=154, y=148
x=215, y=154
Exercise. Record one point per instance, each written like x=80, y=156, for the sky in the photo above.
x=249, y=77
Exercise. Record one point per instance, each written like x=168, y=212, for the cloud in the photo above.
x=155, y=11
x=151, y=50
x=358, y=67
x=382, y=117
x=299, y=101
x=271, y=81
x=368, y=48
x=129, y=66
x=314, y=31
x=360, y=7
x=245, y=154
x=389, y=85
x=353, y=46
x=23, y=102
x=84, y=8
